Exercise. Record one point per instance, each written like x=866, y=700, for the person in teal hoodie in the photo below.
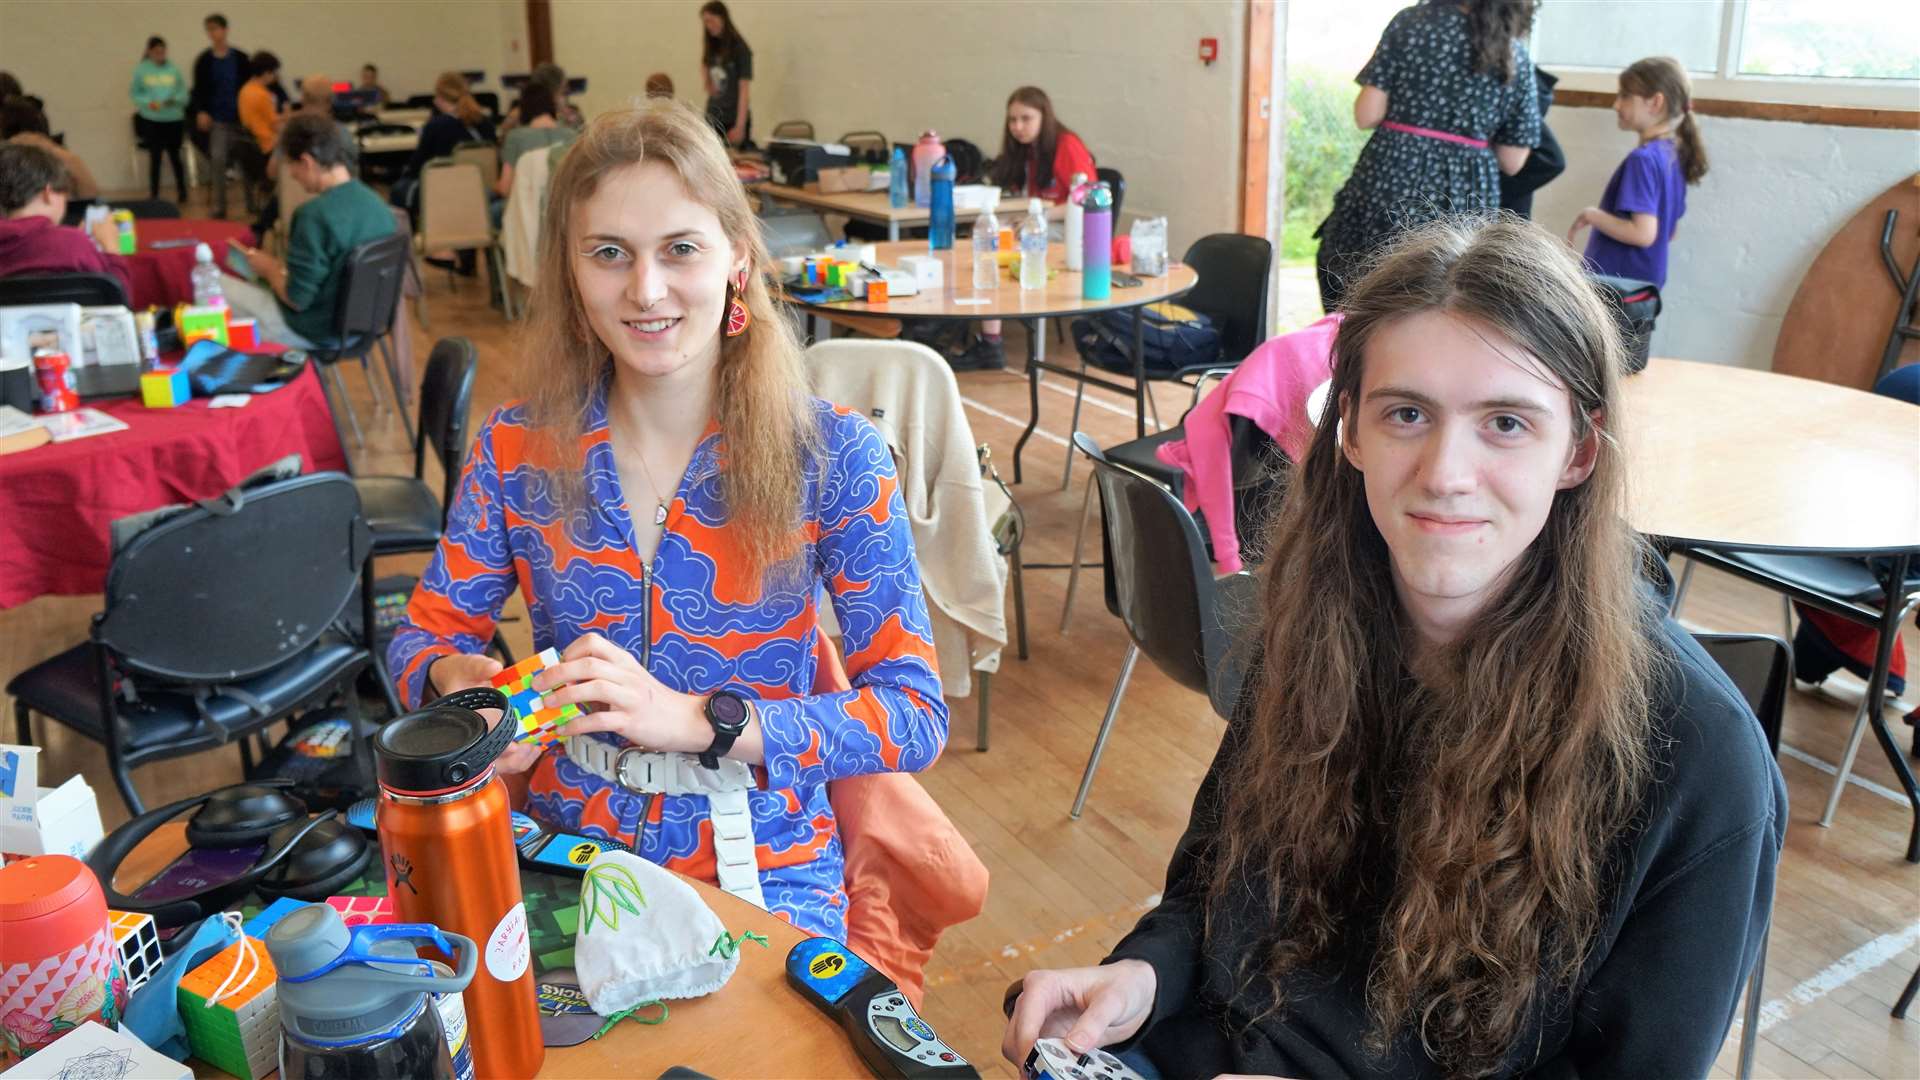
x=160, y=113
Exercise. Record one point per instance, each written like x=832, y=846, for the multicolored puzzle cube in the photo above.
x=231, y=1011
x=243, y=334
x=201, y=324
x=139, y=945
x=539, y=722
x=164, y=388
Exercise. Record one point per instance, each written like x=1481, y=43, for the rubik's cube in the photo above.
x=139, y=944
x=233, y=1020
x=539, y=722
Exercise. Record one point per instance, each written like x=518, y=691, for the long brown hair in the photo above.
x=1666, y=76
x=1492, y=28
x=451, y=87
x=1494, y=784
x=762, y=400
x=728, y=43
x=1018, y=161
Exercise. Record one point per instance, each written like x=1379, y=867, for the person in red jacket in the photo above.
x=1039, y=156
x=34, y=188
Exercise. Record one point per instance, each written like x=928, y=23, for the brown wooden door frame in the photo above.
x=1260, y=105
x=539, y=33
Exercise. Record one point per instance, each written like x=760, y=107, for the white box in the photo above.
x=928, y=270
x=899, y=283
x=27, y=327
x=108, y=337
x=34, y=820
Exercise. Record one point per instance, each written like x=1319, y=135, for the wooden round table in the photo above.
x=955, y=298
x=1727, y=459
x=756, y=1025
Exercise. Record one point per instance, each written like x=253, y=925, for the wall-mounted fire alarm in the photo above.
x=1209, y=50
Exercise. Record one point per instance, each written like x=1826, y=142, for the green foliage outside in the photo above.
x=1322, y=144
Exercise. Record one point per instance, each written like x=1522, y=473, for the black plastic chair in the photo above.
x=1757, y=665
x=1233, y=271
x=1118, y=185
x=401, y=511
x=792, y=129
x=370, y=288
x=87, y=290
x=148, y=209
x=1855, y=590
x=219, y=621
x=1159, y=584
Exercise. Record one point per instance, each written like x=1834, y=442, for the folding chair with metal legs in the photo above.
x=1079, y=541
x=336, y=389
x=1106, y=728
x=1750, y=1026
x=399, y=392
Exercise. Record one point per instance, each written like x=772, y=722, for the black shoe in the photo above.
x=985, y=354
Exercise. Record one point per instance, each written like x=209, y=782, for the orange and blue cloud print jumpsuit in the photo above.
x=699, y=627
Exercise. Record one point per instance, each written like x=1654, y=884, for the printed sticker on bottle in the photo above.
x=507, y=949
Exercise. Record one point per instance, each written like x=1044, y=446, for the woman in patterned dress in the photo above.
x=672, y=503
x=1449, y=95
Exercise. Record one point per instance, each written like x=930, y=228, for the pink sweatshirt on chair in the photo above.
x=1270, y=388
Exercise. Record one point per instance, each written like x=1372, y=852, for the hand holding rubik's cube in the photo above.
x=539, y=722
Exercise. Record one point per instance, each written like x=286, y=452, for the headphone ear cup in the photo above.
x=326, y=860
x=242, y=814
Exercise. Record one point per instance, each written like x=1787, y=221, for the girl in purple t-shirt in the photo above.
x=1647, y=195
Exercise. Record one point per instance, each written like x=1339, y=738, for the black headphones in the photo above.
x=306, y=858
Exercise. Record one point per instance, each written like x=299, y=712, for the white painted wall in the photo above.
x=1126, y=76
x=79, y=57
x=1774, y=194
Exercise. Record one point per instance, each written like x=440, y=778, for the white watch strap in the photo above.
x=656, y=773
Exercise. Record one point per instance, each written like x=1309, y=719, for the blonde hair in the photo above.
x=451, y=87
x=763, y=399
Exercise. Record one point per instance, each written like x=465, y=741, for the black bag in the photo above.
x=1635, y=304
x=228, y=371
x=1171, y=338
x=968, y=162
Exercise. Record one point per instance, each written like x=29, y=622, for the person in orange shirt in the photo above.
x=259, y=112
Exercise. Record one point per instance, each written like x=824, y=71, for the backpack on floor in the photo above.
x=1171, y=338
x=1635, y=304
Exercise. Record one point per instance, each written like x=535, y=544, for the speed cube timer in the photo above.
x=139, y=944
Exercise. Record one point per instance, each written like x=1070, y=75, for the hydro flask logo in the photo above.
x=402, y=873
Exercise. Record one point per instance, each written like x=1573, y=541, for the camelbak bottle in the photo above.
x=940, y=220
x=445, y=831
x=360, y=1003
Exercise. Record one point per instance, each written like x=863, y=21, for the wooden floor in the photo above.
x=1847, y=917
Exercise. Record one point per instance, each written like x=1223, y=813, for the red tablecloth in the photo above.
x=56, y=500
x=165, y=277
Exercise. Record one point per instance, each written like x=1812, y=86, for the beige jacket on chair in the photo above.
x=520, y=226
x=910, y=395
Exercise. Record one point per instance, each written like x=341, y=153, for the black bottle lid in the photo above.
x=443, y=747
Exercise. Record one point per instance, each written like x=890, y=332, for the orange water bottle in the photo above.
x=446, y=832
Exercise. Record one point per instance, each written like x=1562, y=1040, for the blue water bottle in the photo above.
x=940, y=228
x=1096, y=237
x=897, y=179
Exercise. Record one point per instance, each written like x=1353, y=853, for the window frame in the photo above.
x=1726, y=83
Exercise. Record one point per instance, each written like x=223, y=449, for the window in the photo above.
x=1840, y=52
x=1858, y=39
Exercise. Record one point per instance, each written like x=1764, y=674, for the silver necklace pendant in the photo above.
x=660, y=513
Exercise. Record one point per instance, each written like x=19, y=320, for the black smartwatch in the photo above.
x=728, y=713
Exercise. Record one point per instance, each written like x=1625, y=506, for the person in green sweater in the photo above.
x=160, y=113
x=295, y=301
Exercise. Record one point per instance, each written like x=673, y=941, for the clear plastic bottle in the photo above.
x=986, y=252
x=897, y=195
x=207, y=291
x=1033, y=247
x=1076, y=217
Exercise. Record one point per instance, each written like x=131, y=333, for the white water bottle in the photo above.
x=1033, y=247
x=1076, y=219
x=986, y=252
x=206, y=279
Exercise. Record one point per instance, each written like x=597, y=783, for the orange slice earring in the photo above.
x=738, y=317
